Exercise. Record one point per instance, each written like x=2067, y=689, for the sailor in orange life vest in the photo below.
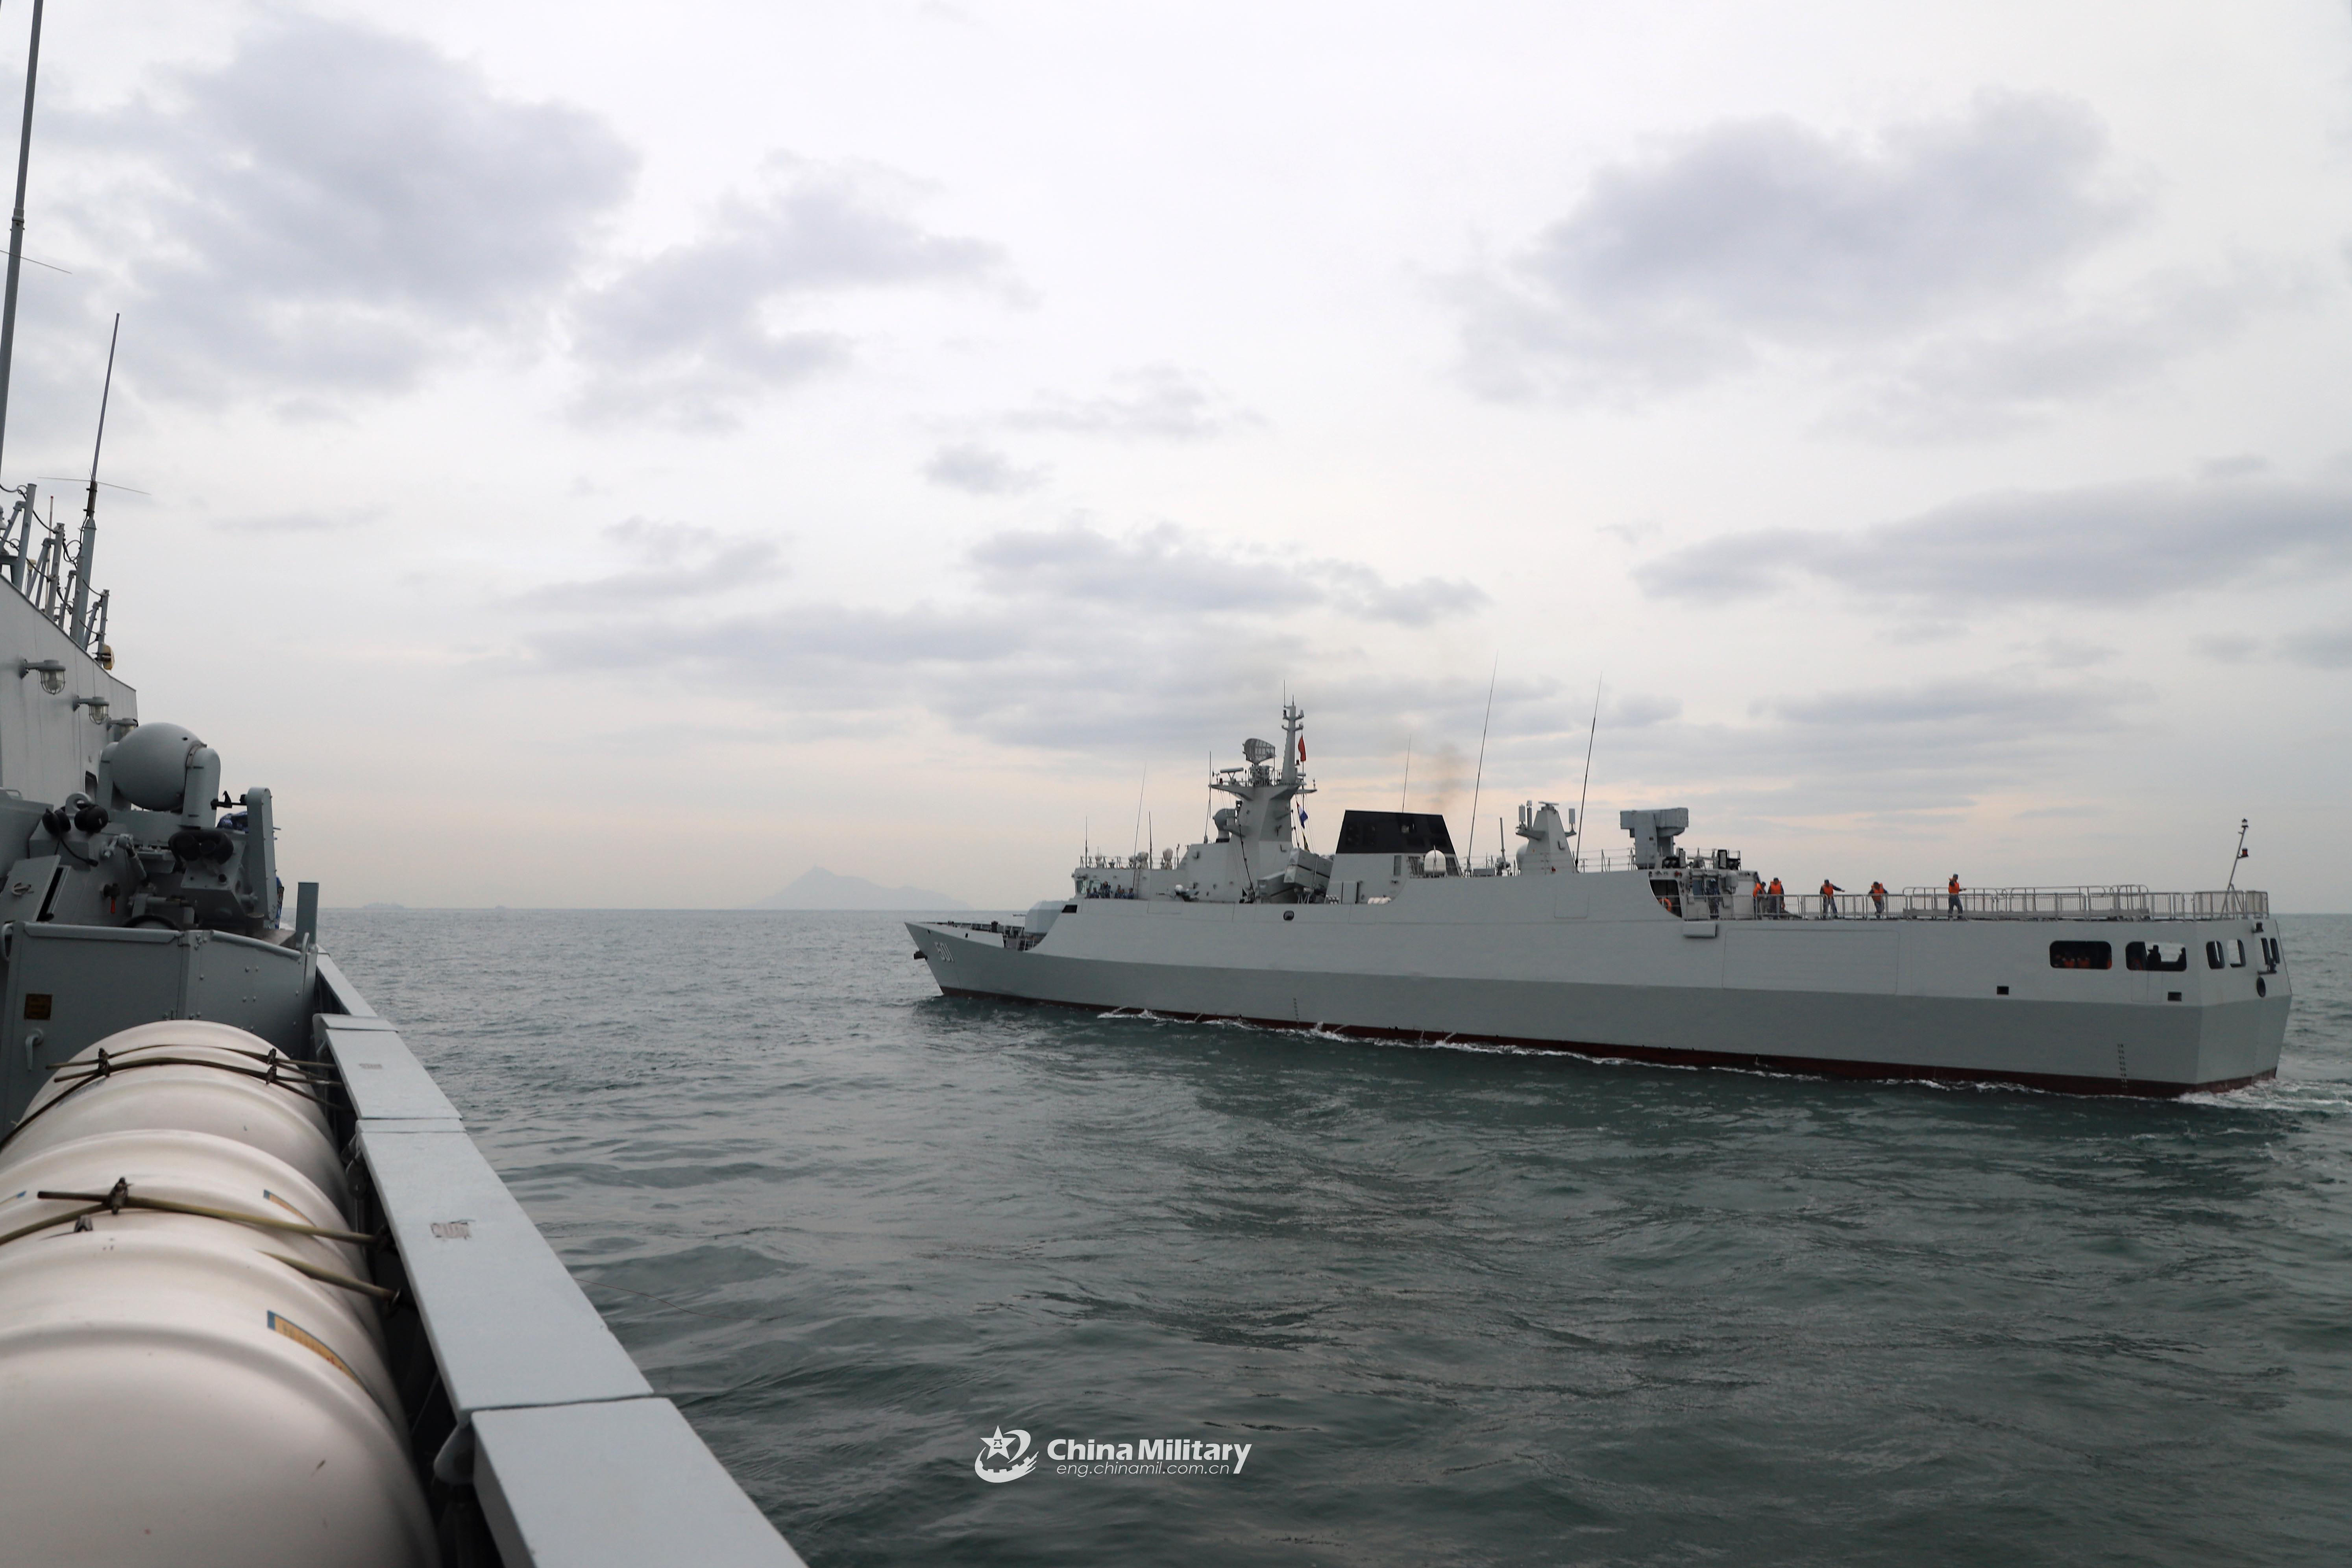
x=1878, y=896
x=1830, y=890
x=1778, y=907
x=1954, y=890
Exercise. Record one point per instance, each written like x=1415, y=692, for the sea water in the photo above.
x=1463, y=1306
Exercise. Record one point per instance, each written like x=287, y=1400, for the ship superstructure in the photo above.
x=1657, y=952
x=262, y=1300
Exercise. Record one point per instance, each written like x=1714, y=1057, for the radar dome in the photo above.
x=151, y=765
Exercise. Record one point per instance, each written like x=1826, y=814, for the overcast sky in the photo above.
x=604, y=455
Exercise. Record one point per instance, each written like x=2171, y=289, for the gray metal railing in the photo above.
x=2126, y=902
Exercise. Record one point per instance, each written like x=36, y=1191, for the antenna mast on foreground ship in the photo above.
x=262, y=1300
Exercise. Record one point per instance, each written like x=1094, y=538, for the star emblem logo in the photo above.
x=1011, y=1452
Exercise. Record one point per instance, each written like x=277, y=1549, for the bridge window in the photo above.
x=2213, y=959
x=2167, y=956
x=2082, y=955
x=2237, y=954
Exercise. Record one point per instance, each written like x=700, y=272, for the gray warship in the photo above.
x=262, y=1300
x=1657, y=952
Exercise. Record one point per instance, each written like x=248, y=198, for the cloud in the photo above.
x=2328, y=648
x=1167, y=571
x=672, y=562
x=2229, y=647
x=692, y=334
x=1156, y=403
x=1892, y=751
x=1070, y=638
x=979, y=470
x=334, y=209
x=2069, y=653
x=1760, y=235
x=1974, y=382
x=2117, y=544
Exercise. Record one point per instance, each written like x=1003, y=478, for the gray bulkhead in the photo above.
x=1591, y=961
x=50, y=739
x=1674, y=955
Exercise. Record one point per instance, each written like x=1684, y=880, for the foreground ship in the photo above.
x=1662, y=954
x=262, y=1301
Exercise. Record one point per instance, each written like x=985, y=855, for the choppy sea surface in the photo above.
x=1466, y=1307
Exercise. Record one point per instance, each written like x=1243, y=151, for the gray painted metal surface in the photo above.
x=576, y=1461
x=584, y=1486
x=69, y=986
x=507, y=1324
x=1590, y=961
x=384, y=1079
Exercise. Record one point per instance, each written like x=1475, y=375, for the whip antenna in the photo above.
x=17, y=225
x=1585, y=793
x=1480, y=776
x=15, y=234
x=90, y=508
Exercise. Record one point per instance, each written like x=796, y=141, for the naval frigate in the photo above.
x=262, y=1300
x=1657, y=952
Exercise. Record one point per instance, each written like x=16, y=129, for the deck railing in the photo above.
x=2110, y=903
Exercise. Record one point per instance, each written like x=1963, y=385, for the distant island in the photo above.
x=818, y=888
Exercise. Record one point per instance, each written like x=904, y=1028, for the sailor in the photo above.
x=1878, y=896
x=1756, y=898
x=1830, y=890
x=1953, y=887
x=1779, y=906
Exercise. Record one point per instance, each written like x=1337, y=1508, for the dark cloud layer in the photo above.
x=1758, y=235
x=1071, y=639
x=2326, y=648
x=979, y=470
x=690, y=333
x=2120, y=544
x=670, y=561
x=1157, y=402
x=334, y=206
x=1165, y=570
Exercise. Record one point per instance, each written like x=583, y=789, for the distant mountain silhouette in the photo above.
x=818, y=888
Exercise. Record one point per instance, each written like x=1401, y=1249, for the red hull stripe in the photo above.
x=1816, y=1067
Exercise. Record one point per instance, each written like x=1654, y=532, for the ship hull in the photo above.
x=1867, y=999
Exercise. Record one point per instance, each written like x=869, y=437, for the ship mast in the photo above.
x=17, y=228
x=90, y=508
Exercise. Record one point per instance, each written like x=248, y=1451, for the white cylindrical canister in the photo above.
x=199, y=1169
x=171, y=1396
x=190, y=1075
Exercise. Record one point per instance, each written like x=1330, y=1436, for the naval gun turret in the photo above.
x=145, y=849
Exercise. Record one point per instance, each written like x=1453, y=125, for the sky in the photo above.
x=603, y=456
